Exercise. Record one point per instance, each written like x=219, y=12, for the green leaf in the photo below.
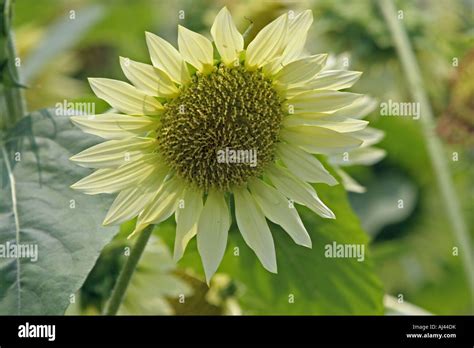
x=64, y=225
x=307, y=282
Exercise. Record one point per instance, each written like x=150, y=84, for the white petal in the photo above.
x=277, y=208
x=115, y=126
x=114, y=153
x=334, y=79
x=228, y=40
x=163, y=204
x=319, y=140
x=335, y=123
x=297, y=33
x=369, y=136
x=111, y=180
x=130, y=202
x=320, y=101
x=167, y=58
x=149, y=79
x=213, y=228
x=297, y=190
x=326, y=79
x=304, y=165
x=301, y=70
x=363, y=156
x=349, y=183
x=268, y=44
x=359, y=109
x=271, y=68
x=187, y=218
x=195, y=49
x=254, y=228
x=293, y=49
x=125, y=98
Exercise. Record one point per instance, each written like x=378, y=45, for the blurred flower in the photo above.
x=244, y=125
x=222, y=293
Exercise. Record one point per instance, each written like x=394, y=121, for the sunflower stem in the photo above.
x=434, y=145
x=12, y=104
x=118, y=293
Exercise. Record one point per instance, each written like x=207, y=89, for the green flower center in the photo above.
x=222, y=129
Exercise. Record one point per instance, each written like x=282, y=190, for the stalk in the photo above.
x=127, y=272
x=12, y=104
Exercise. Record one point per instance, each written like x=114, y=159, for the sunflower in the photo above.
x=216, y=124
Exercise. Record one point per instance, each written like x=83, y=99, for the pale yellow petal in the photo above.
x=334, y=79
x=369, y=136
x=254, y=228
x=301, y=70
x=167, y=58
x=115, y=126
x=271, y=68
x=164, y=202
x=304, y=165
x=149, y=79
x=297, y=33
x=335, y=123
x=366, y=156
x=125, y=98
x=268, y=44
x=359, y=109
x=187, y=218
x=185, y=77
x=297, y=190
x=319, y=140
x=293, y=49
x=111, y=180
x=213, y=228
x=278, y=209
x=229, y=42
x=195, y=49
x=349, y=183
x=114, y=153
x=317, y=101
x=326, y=80
x=130, y=202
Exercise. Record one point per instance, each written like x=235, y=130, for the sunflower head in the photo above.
x=181, y=138
x=230, y=108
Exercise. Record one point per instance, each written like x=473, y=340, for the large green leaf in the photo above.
x=64, y=225
x=307, y=282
